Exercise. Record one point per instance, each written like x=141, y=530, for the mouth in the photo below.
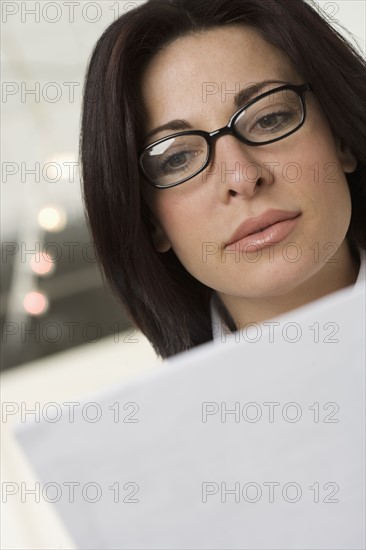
x=272, y=227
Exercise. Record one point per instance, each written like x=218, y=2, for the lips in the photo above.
x=270, y=227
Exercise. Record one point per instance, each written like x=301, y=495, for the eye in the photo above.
x=181, y=157
x=269, y=120
x=176, y=160
x=274, y=121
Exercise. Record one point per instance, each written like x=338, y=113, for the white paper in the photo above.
x=166, y=451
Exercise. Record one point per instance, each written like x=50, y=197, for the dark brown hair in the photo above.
x=167, y=304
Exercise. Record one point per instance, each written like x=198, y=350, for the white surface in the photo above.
x=68, y=376
x=169, y=454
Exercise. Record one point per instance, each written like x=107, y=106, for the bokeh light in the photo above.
x=42, y=264
x=52, y=218
x=35, y=303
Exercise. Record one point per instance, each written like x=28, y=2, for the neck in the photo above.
x=336, y=274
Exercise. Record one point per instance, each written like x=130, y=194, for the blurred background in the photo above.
x=52, y=295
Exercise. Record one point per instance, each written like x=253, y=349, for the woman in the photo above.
x=193, y=225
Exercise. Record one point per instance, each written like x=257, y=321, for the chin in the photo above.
x=269, y=280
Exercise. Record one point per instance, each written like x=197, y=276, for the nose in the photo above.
x=235, y=168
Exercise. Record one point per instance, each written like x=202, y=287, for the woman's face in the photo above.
x=195, y=79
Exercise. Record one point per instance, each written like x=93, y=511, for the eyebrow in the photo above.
x=240, y=98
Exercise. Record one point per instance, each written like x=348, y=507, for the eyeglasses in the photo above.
x=270, y=117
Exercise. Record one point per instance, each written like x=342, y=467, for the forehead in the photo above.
x=200, y=70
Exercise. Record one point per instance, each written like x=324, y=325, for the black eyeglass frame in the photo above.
x=229, y=129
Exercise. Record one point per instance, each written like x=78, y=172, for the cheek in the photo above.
x=180, y=222
x=181, y=212
x=186, y=222
x=326, y=192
